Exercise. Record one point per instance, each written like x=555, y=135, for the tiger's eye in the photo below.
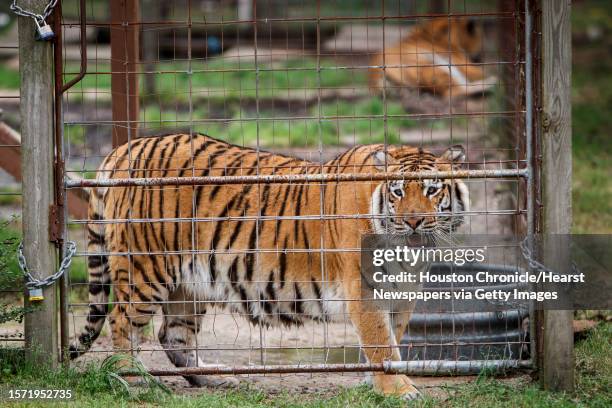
x=397, y=192
x=431, y=190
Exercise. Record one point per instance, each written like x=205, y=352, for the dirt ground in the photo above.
x=231, y=340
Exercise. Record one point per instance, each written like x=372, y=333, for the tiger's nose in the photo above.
x=414, y=222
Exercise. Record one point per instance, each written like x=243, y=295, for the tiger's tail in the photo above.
x=99, y=277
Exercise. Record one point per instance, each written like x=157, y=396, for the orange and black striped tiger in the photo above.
x=175, y=262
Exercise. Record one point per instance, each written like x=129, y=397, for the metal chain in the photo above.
x=527, y=254
x=534, y=264
x=12, y=336
x=40, y=17
x=32, y=282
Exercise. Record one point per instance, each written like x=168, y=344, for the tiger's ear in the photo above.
x=381, y=158
x=454, y=155
x=437, y=28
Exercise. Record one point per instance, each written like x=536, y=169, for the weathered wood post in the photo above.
x=150, y=44
x=36, y=74
x=124, y=39
x=557, y=359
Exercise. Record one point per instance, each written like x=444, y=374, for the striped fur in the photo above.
x=281, y=282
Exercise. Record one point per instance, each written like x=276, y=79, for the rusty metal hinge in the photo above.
x=56, y=223
x=56, y=210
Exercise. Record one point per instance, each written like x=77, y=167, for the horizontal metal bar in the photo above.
x=305, y=68
x=425, y=367
x=204, y=61
x=473, y=318
x=136, y=167
x=313, y=165
x=508, y=113
x=248, y=23
x=168, y=252
x=445, y=368
x=256, y=299
x=232, y=302
x=228, y=251
x=309, y=349
x=266, y=369
x=237, y=302
x=296, y=178
x=283, y=217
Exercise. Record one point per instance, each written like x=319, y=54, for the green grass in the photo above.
x=97, y=386
x=223, y=81
x=368, y=127
x=591, y=13
x=234, y=94
x=338, y=125
x=218, y=79
x=9, y=78
x=78, y=270
x=75, y=134
x=10, y=275
x=10, y=196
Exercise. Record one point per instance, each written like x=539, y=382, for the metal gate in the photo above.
x=291, y=77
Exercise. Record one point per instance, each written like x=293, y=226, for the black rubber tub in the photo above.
x=440, y=330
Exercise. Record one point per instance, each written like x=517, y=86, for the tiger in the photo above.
x=437, y=56
x=184, y=267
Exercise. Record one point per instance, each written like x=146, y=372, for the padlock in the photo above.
x=36, y=295
x=43, y=31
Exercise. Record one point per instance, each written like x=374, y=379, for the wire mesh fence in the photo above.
x=217, y=251
x=11, y=331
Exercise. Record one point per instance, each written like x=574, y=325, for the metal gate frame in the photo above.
x=530, y=175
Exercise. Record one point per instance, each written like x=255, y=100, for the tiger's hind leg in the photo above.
x=136, y=302
x=127, y=324
x=177, y=335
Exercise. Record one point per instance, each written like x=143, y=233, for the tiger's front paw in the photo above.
x=397, y=384
x=214, y=381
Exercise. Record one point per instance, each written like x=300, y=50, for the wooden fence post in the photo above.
x=151, y=13
x=124, y=39
x=557, y=360
x=36, y=74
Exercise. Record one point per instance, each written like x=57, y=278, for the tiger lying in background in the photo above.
x=437, y=56
x=273, y=286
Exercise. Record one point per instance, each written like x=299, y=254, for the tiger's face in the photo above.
x=428, y=206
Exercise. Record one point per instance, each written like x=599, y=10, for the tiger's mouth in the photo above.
x=413, y=237
x=440, y=227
